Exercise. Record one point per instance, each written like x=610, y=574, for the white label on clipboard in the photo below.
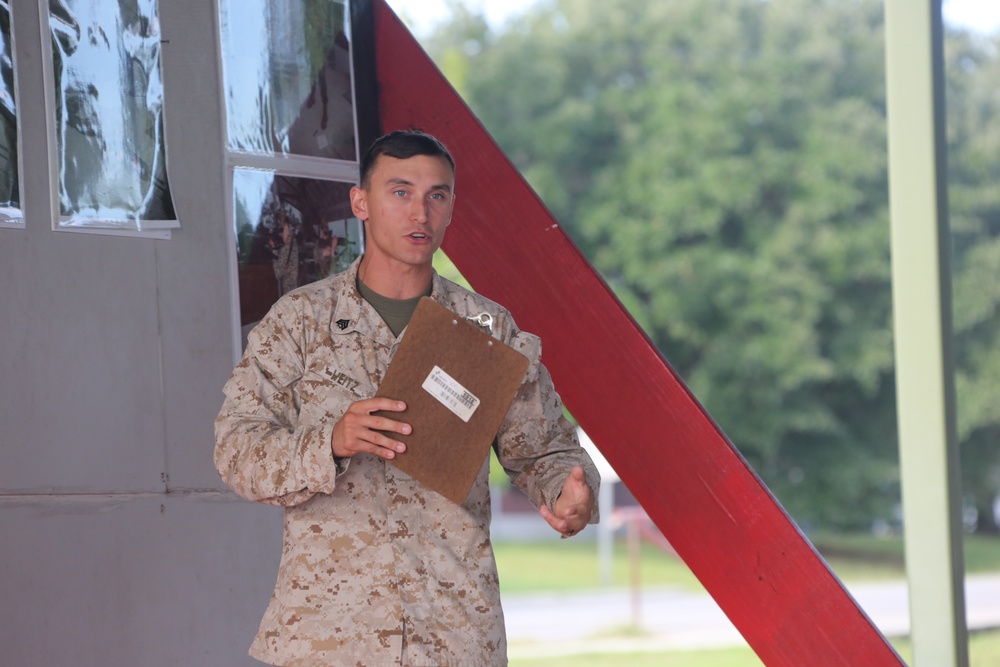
x=451, y=394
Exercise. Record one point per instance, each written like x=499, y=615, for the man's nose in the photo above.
x=418, y=210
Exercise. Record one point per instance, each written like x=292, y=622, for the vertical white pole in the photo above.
x=606, y=531
x=921, y=284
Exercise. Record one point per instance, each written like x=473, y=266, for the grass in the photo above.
x=729, y=657
x=566, y=566
x=527, y=567
x=984, y=651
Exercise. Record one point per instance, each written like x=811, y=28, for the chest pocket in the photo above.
x=335, y=376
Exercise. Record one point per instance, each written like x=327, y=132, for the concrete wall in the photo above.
x=119, y=546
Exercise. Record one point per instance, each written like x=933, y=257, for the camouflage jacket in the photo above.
x=375, y=569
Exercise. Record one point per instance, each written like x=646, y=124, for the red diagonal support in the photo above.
x=694, y=485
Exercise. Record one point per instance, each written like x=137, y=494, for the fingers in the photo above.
x=573, y=507
x=575, y=492
x=378, y=403
x=567, y=525
x=559, y=525
x=361, y=431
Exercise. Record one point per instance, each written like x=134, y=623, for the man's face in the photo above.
x=406, y=208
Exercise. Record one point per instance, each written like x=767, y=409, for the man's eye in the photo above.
x=399, y=193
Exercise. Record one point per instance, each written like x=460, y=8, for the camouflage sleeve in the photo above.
x=262, y=452
x=537, y=445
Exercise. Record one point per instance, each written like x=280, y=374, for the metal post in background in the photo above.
x=921, y=288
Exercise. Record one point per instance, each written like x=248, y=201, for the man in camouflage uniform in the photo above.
x=376, y=569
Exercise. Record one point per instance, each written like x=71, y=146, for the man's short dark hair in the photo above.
x=402, y=144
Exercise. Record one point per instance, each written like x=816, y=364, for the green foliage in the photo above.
x=974, y=173
x=723, y=164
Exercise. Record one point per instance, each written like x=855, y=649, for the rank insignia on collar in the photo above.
x=343, y=324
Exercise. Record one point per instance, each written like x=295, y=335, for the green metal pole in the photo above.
x=921, y=288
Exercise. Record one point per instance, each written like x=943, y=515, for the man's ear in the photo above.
x=359, y=203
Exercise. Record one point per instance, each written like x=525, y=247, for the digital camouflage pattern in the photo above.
x=376, y=569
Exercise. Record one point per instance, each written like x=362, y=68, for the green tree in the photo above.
x=723, y=165
x=973, y=68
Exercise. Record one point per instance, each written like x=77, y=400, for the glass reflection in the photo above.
x=290, y=231
x=288, y=78
x=106, y=61
x=10, y=197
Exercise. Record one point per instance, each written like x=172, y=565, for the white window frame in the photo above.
x=152, y=229
x=9, y=222
x=300, y=166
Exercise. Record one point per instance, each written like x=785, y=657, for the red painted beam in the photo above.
x=691, y=481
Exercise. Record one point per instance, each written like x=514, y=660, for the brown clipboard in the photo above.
x=445, y=451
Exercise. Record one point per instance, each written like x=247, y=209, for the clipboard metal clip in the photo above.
x=485, y=320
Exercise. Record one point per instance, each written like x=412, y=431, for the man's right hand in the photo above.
x=358, y=430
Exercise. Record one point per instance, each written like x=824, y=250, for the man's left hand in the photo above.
x=573, y=507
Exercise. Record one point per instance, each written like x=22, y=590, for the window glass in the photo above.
x=10, y=197
x=288, y=78
x=109, y=114
x=290, y=231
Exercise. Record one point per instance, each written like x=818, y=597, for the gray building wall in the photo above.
x=119, y=545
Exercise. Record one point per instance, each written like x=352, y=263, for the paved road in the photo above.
x=539, y=626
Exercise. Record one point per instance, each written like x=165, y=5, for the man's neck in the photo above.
x=395, y=281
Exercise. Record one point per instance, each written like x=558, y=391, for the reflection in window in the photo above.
x=290, y=231
x=10, y=197
x=109, y=114
x=288, y=77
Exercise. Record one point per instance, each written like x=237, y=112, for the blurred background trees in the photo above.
x=722, y=163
